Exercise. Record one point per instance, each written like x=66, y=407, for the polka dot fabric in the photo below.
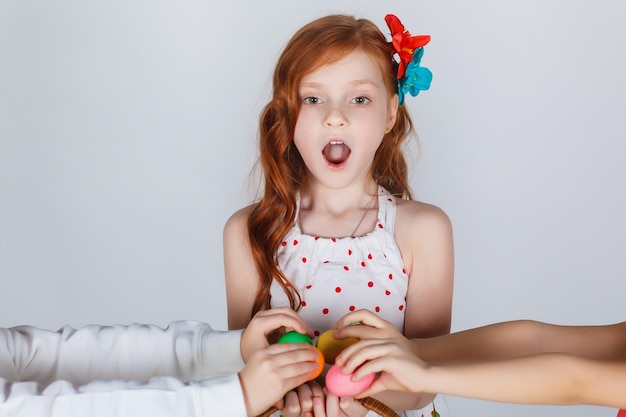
x=335, y=276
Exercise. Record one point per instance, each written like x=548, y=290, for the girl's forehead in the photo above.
x=357, y=67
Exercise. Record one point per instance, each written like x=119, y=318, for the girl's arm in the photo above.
x=497, y=341
x=525, y=337
x=162, y=397
x=424, y=236
x=547, y=378
x=185, y=350
x=270, y=373
x=242, y=278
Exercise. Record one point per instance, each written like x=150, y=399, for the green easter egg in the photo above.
x=295, y=337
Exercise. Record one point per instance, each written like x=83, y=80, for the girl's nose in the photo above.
x=336, y=118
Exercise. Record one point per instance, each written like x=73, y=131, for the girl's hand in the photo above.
x=343, y=407
x=311, y=400
x=306, y=401
x=399, y=369
x=255, y=336
x=364, y=325
x=273, y=371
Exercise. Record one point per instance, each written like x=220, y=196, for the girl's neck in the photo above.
x=338, y=213
x=337, y=201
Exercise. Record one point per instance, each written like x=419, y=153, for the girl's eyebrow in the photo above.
x=364, y=82
x=355, y=83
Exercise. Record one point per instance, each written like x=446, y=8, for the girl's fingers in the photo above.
x=292, y=405
x=349, y=406
x=305, y=396
x=372, y=366
x=287, y=347
x=362, y=316
x=373, y=389
x=317, y=390
x=354, y=355
x=275, y=318
x=361, y=331
x=280, y=404
x=301, y=401
x=294, y=359
x=332, y=404
x=319, y=406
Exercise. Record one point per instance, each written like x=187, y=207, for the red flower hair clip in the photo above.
x=403, y=43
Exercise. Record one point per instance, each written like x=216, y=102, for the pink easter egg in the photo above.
x=342, y=385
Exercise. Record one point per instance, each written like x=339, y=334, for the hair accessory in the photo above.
x=411, y=77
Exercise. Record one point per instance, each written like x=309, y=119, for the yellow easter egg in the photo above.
x=332, y=347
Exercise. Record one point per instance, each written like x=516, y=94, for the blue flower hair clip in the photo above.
x=411, y=77
x=415, y=78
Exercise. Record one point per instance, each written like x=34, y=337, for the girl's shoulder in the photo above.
x=238, y=221
x=413, y=213
x=421, y=224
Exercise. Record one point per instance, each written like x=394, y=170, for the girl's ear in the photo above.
x=392, y=112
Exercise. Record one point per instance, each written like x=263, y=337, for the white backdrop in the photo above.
x=127, y=134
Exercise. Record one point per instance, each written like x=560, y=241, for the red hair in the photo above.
x=320, y=42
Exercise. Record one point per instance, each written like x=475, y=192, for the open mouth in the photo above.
x=336, y=152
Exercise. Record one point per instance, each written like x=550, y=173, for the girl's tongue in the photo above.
x=336, y=152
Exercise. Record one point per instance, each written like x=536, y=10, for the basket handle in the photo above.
x=370, y=403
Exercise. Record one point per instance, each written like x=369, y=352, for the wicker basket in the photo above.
x=367, y=402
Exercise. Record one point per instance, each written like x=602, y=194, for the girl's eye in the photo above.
x=311, y=100
x=361, y=100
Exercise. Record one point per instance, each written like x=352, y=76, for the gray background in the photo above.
x=127, y=135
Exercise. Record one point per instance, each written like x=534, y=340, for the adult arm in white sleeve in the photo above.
x=186, y=350
x=159, y=397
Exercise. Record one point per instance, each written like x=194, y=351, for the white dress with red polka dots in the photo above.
x=335, y=276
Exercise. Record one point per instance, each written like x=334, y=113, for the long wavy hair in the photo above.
x=318, y=43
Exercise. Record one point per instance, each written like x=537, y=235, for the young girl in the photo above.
x=520, y=361
x=336, y=228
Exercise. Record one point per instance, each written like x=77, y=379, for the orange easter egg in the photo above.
x=332, y=347
x=320, y=364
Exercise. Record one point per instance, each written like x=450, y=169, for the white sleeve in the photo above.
x=186, y=350
x=160, y=397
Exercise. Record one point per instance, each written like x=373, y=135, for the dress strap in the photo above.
x=296, y=220
x=386, y=209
